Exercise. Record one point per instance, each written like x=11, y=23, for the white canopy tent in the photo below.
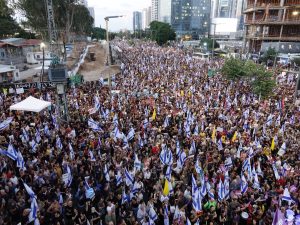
x=30, y=104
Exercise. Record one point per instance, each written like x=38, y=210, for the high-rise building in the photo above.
x=137, y=21
x=154, y=10
x=92, y=13
x=146, y=17
x=273, y=24
x=164, y=11
x=190, y=17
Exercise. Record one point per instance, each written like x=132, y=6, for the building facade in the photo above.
x=137, y=21
x=190, y=18
x=270, y=22
x=154, y=10
x=146, y=18
x=164, y=11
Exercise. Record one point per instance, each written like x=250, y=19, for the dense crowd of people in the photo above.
x=168, y=145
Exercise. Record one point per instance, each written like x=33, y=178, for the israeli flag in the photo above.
x=203, y=189
x=117, y=133
x=166, y=156
x=282, y=149
x=119, y=178
x=220, y=145
x=256, y=184
x=94, y=125
x=130, y=134
x=246, y=114
x=115, y=120
x=125, y=142
x=168, y=173
x=33, y=145
x=97, y=103
x=196, y=198
x=125, y=197
x=181, y=160
x=188, y=222
x=152, y=214
x=106, y=174
x=194, y=185
x=11, y=152
x=38, y=136
x=258, y=170
x=33, y=212
x=58, y=143
x=166, y=122
x=187, y=129
x=221, y=191
x=198, y=167
x=72, y=155
x=244, y=184
x=46, y=130
x=246, y=164
x=166, y=215
x=5, y=123
x=145, y=123
x=292, y=120
x=20, y=161
x=228, y=163
x=276, y=174
x=25, y=135
x=137, y=163
x=269, y=120
x=192, y=148
x=129, y=180
x=286, y=196
x=238, y=153
x=92, y=157
x=69, y=177
x=29, y=191
x=226, y=189
x=140, y=142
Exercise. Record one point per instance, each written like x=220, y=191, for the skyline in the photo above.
x=116, y=8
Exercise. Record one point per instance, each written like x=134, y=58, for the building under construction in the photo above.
x=272, y=23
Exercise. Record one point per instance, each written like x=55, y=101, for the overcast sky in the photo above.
x=115, y=8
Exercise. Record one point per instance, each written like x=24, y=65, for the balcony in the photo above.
x=273, y=37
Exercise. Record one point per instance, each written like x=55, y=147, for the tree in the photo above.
x=98, y=33
x=269, y=55
x=234, y=69
x=68, y=14
x=8, y=26
x=209, y=43
x=161, y=32
x=26, y=35
x=261, y=81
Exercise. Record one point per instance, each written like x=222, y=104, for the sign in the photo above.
x=26, y=86
x=20, y=90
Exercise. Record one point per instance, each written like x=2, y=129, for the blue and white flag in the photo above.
x=58, y=143
x=228, y=163
x=256, y=184
x=117, y=133
x=33, y=212
x=221, y=191
x=192, y=148
x=210, y=193
x=166, y=215
x=276, y=174
x=168, y=173
x=97, y=103
x=196, y=198
x=129, y=180
x=46, y=130
x=226, y=189
x=137, y=163
x=194, y=185
x=94, y=125
x=244, y=184
x=33, y=145
x=11, y=152
x=125, y=197
x=220, y=145
x=166, y=156
x=145, y=123
x=72, y=155
x=29, y=191
x=178, y=150
x=286, y=196
x=130, y=134
x=5, y=123
x=188, y=222
x=38, y=136
x=269, y=120
x=166, y=122
x=106, y=173
x=152, y=214
x=196, y=130
x=119, y=178
x=92, y=157
x=282, y=149
x=25, y=134
x=20, y=161
x=203, y=189
x=181, y=160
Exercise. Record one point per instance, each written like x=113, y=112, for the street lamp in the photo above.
x=42, y=46
x=205, y=46
x=107, y=36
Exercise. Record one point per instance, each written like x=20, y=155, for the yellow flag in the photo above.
x=213, y=136
x=182, y=93
x=154, y=114
x=234, y=137
x=166, y=188
x=223, y=138
x=273, y=144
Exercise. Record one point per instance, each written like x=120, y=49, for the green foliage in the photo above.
x=270, y=54
x=161, y=32
x=26, y=35
x=261, y=80
x=296, y=60
x=68, y=15
x=8, y=25
x=209, y=43
x=234, y=69
x=98, y=33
